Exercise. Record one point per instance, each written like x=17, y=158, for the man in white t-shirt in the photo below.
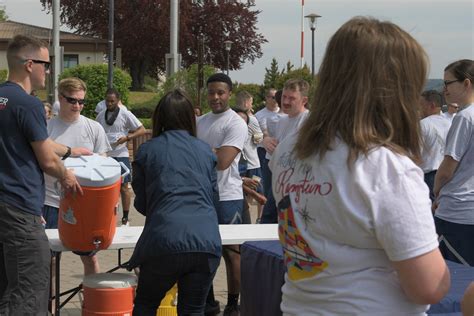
x=244, y=102
x=293, y=100
x=120, y=125
x=451, y=112
x=434, y=129
x=269, y=114
x=226, y=133
x=71, y=128
x=101, y=106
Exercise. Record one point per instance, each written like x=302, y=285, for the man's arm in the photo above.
x=133, y=134
x=61, y=150
x=51, y=164
x=445, y=173
x=269, y=143
x=225, y=156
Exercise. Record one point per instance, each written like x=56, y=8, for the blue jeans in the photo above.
x=192, y=271
x=50, y=215
x=266, y=173
x=429, y=180
x=270, y=211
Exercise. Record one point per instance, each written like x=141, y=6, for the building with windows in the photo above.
x=77, y=49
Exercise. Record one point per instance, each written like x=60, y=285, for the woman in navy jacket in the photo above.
x=174, y=179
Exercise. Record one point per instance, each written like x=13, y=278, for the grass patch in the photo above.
x=140, y=99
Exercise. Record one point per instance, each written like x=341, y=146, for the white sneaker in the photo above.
x=125, y=222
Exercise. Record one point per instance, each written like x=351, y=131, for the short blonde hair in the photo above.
x=71, y=84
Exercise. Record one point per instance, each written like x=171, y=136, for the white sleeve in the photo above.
x=402, y=219
x=236, y=134
x=132, y=122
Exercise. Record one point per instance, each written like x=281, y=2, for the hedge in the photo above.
x=95, y=77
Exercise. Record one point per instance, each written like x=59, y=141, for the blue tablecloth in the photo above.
x=262, y=276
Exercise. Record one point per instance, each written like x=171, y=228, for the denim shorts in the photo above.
x=126, y=162
x=230, y=212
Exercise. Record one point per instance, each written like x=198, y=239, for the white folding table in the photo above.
x=127, y=237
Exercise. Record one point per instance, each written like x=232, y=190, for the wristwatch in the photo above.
x=67, y=154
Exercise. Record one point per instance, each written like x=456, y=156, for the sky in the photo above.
x=445, y=28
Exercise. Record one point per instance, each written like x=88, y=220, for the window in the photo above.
x=71, y=61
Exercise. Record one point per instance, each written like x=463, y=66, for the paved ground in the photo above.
x=72, y=270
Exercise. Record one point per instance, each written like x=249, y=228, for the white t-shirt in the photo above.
x=225, y=129
x=448, y=116
x=125, y=123
x=82, y=133
x=287, y=126
x=263, y=115
x=340, y=229
x=434, y=130
x=456, y=198
x=250, y=148
x=266, y=117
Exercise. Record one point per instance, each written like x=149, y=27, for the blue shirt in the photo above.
x=22, y=121
x=175, y=183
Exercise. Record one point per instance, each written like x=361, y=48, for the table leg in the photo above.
x=57, y=296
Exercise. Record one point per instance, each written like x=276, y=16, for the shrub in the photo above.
x=95, y=76
x=3, y=75
x=146, y=122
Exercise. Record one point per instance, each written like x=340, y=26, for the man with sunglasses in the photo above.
x=451, y=112
x=26, y=152
x=271, y=112
x=71, y=128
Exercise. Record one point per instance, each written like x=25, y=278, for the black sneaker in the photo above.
x=232, y=310
x=212, y=309
x=125, y=221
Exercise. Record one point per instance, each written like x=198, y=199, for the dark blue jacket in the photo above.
x=175, y=183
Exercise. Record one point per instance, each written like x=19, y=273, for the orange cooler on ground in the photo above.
x=88, y=222
x=109, y=294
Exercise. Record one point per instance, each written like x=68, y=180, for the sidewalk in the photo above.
x=72, y=269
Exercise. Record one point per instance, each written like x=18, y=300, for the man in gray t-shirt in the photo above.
x=74, y=130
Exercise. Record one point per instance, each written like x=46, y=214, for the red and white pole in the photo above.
x=302, y=33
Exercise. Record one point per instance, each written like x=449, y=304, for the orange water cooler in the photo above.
x=109, y=294
x=87, y=222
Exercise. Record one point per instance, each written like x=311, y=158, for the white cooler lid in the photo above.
x=94, y=170
x=109, y=281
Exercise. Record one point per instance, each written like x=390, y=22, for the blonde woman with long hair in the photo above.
x=355, y=217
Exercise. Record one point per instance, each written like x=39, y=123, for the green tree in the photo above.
x=95, y=77
x=142, y=31
x=3, y=15
x=303, y=73
x=271, y=75
x=186, y=79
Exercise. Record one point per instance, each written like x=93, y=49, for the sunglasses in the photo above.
x=46, y=64
x=448, y=82
x=73, y=100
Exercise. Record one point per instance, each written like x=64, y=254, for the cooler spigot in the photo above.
x=97, y=243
